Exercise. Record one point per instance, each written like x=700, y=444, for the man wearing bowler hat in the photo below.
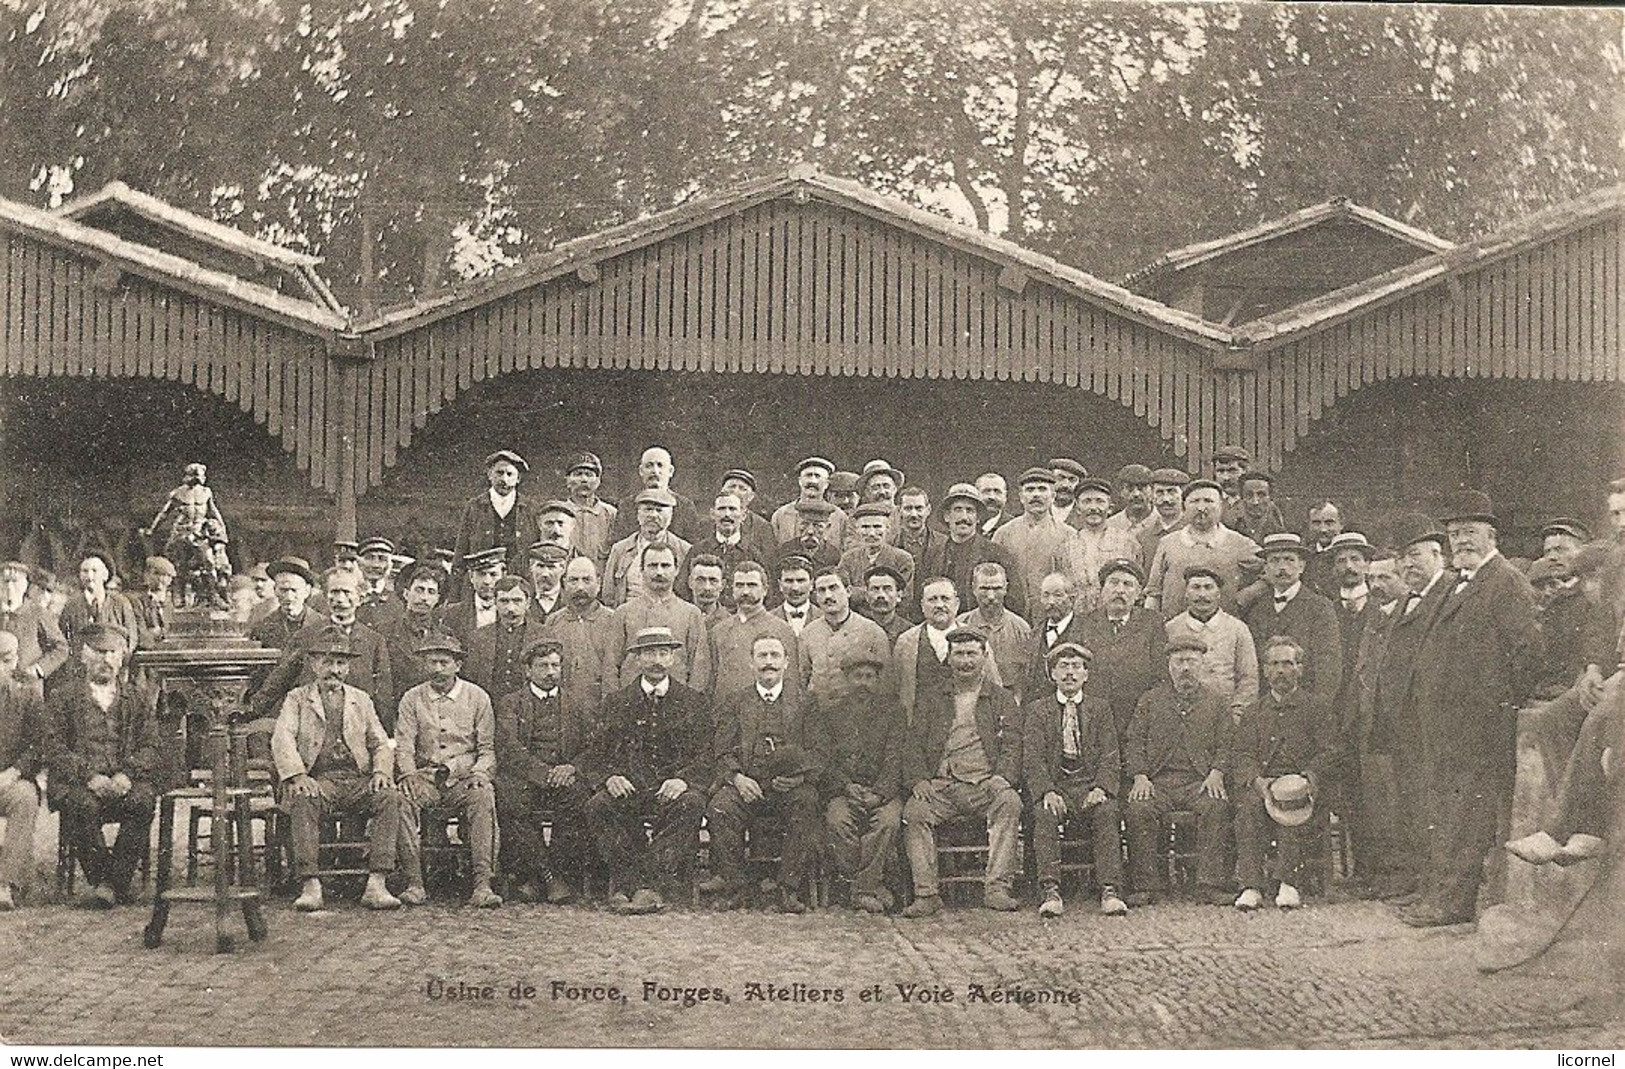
x=446, y=759
x=1073, y=769
x=103, y=760
x=502, y=516
x=1039, y=542
x=961, y=758
x=370, y=671
x=1283, y=752
x=1476, y=666
x=856, y=743
x=540, y=739
x=649, y=760
x=1176, y=755
x=765, y=775
x=293, y=582
x=589, y=535
x=333, y=757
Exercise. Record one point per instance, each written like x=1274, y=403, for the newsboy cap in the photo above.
x=107, y=637
x=1170, y=477
x=1199, y=484
x=439, y=644
x=1232, y=453
x=827, y=466
x=1070, y=649
x=872, y=508
x=556, y=505
x=510, y=456
x=1185, y=639
x=1036, y=475
x=662, y=498
x=1135, y=475
x=1070, y=466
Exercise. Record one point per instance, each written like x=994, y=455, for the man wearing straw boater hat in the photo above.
x=1282, y=753
x=649, y=760
x=332, y=756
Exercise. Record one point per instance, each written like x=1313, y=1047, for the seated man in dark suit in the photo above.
x=1291, y=733
x=539, y=743
x=650, y=759
x=1129, y=643
x=856, y=743
x=962, y=754
x=1074, y=774
x=764, y=774
x=103, y=762
x=1177, y=754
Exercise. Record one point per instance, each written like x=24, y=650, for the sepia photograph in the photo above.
x=810, y=524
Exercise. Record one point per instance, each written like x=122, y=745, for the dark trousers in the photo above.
x=795, y=813
x=1103, y=822
x=83, y=815
x=345, y=794
x=1585, y=796
x=616, y=827
x=1254, y=830
x=1466, y=802
x=522, y=810
x=1147, y=831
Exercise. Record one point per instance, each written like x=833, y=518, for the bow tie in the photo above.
x=1052, y=629
x=1282, y=599
x=795, y=614
x=548, y=695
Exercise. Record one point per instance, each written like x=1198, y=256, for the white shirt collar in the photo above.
x=804, y=610
x=770, y=694
x=502, y=505
x=451, y=695
x=730, y=541
x=1062, y=699
x=543, y=694
x=1289, y=593
x=655, y=690
x=1059, y=625
x=1467, y=577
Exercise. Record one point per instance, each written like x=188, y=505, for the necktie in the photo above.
x=1071, y=741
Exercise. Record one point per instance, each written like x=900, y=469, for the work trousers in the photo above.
x=19, y=804
x=1104, y=825
x=862, y=841
x=947, y=799
x=795, y=812
x=343, y=794
x=522, y=811
x=634, y=862
x=1254, y=830
x=83, y=815
x=474, y=802
x=1148, y=830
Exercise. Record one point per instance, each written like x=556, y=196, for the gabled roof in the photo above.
x=166, y=268
x=1338, y=209
x=116, y=196
x=1327, y=309
x=798, y=181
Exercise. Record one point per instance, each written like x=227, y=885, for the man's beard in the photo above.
x=579, y=599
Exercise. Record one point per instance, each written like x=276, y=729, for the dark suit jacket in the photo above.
x=1159, y=739
x=402, y=637
x=1073, y=632
x=480, y=665
x=1312, y=620
x=116, y=609
x=858, y=739
x=369, y=671
x=958, y=562
x=1396, y=723
x=744, y=722
x=754, y=543
x=81, y=745
x=1126, y=665
x=523, y=758
x=1101, y=763
x=998, y=722
x=23, y=729
x=478, y=528
x=649, y=749
x=459, y=617
x=1476, y=666
x=39, y=640
x=1279, y=738
x=1578, y=632
x=278, y=631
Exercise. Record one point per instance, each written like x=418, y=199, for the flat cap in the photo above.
x=828, y=466
x=585, y=462
x=291, y=566
x=1094, y=484
x=548, y=552
x=884, y=570
x=818, y=510
x=844, y=482
x=962, y=492
x=161, y=565
x=1202, y=571
x=1134, y=475
x=507, y=455
x=1232, y=452
x=743, y=475
x=1070, y=649
x=439, y=644
x=1036, y=475
x=1170, y=477
x=538, y=647
x=857, y=658
x=1200, y=484
x=107, y=637
x=1070, y=466
x=1120, y=564
x=258, y=571
x=1257, y=475
x=654, y=638
x=485, y=558
x=1184, y=638
x=872, y=508
x=1566, y=525
x=663, y=498
x=963, y=633
x=376, y=544
x=556, y=505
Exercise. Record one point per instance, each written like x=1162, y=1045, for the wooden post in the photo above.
x=344, y=356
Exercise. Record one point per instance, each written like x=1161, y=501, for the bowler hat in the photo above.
x=439, y=644
x=1410, y=528
x=654, y=638
x=1471, y=505
x=510, y=456
x=1289, y=800
x=331, y=642
x=880, y=467
x=292, y=566
x=790, y=760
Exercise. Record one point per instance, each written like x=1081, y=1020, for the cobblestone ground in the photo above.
x=1335, y=975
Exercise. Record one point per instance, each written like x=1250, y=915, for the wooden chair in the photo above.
x=962, y=850
x=764, y=850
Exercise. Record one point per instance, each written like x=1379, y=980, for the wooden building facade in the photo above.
x=806, y=313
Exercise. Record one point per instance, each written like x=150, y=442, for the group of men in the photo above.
x=868, y=665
